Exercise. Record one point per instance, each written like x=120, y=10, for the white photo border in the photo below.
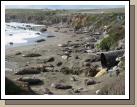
x=4, y=3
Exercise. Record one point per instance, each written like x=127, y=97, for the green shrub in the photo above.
x=106, y=43
x=116, y=33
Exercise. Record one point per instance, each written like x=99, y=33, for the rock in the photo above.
x=97, y=92
x=32, y=55
x=76, y=91
x=64, y=57
x=43, y=29
x=47, y=91
x=87, y=60
x=40, y=40
x=51, y=59
x=62, y=86
x=77, y=57
x=50, y=36
x=29, y=70
x=89, y=51
x=53, y=85
x=90, y=82
x=89, y=45
x=18, y=53
x=28, y=25
x=37, y=33
x=10, y=34
x=31, y=81
x=11, y=43
x=59, y=63
x=62, y=45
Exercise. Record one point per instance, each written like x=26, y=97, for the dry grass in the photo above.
x=116, y=87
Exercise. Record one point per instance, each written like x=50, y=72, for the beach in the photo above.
x=69, y=54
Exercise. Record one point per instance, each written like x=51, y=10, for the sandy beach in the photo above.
x=50, y=48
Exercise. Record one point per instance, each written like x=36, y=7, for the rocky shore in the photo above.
x=66, y=64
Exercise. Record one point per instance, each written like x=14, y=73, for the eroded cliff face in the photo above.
x=99, y=23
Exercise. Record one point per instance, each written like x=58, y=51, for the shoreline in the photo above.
x=51, y=49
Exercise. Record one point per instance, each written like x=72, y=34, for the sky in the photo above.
x=62, y=6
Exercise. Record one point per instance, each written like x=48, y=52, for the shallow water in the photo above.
x=22, y=34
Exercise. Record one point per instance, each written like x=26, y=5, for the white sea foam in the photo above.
x=15, y=34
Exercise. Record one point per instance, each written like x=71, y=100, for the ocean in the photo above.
x=19, y=34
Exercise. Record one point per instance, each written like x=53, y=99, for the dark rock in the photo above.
x=51, y=59
x=87, y=60
x=37, y=33
x=18, y=53
x=31, y=81
x=50, y=36
x=29, y=70
x=11, y=43
x=76, y=91
x=28, y=26
x=90, y=82
x=77, y=57
x=59, y=63
x=43, y=29
x=40, y=40
x=87, y=64
x=62, y=86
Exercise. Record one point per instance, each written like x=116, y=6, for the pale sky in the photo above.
x=62, y=6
